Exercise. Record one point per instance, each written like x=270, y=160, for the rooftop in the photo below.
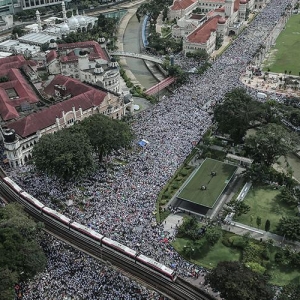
x=202, y=34
x=182, y=4
x=82, y=95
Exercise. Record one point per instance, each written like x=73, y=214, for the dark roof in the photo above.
x=97, y=51
x=83, y=96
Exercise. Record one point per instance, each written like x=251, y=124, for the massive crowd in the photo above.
x=120, y=202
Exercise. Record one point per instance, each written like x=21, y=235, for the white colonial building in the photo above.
x=85, y=61
x=200, y=23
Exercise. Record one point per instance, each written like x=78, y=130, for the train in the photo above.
x=103, y=241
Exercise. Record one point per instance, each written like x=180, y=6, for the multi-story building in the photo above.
x=86, y=61
x=29, y=109
x=214, y=18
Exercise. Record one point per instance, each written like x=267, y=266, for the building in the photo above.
x=86, y=61
x=200, y=23
x=53, y=30
x=74, y=101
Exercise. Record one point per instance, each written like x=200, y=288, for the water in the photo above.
x=131, y=43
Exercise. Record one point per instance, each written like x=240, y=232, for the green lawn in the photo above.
x=285, y=54
x=280, y=274
x=263, y=203
x=214, y=184
x=210, y=258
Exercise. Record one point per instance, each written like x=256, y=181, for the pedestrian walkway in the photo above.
x=258, y=234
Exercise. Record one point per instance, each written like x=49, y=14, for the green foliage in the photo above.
x=20, y=255
x=188, y=228
x=256, y=267
x=290, y=228
x=237, y=282
x=237, y=113
x=237, y=241
x=239, y=207
x=258, y=221
x=213, y=234
x=267, y=225
x=66, y=154
x=269, y=143
x=106, y=134
x=199, y=54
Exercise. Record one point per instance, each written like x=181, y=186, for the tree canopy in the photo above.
x=106, y=134
x=235, y=281
x=269, y=143
x=21, y=257
x=237, y=114
x=290, y=228
x=66, y=153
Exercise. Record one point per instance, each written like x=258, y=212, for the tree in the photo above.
x=21, y=257
x=290, y=292
x=239, y=207
x=237, y=114
x=106, y=134
x=289, y=196
x=258, y=221
x=237, y=282
x=213, y=234
x=66, y=153
x=290, y=228
x=267, y=225
x=269, y=143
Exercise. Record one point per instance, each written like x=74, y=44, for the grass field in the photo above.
x=210, y=257
x=285, y=54
x=214, y=184
x=263, y=203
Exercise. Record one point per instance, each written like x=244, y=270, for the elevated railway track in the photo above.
x=179, y=289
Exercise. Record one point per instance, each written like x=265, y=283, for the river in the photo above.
x=131, y=43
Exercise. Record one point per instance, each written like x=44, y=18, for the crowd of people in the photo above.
x=119, y=201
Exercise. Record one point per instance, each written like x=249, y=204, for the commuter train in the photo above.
x=92, y=234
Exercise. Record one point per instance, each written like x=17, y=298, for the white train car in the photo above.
x=162, y=269
x=32, y=200
x=87, y=231
x=12, y=184
x=119, y=247
x=58, y=216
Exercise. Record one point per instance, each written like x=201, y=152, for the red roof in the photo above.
x=51, y=55
x=83, y=96
x=15, y=61
x=236, y=5
x=202, y=34
x=182, y=4
x=94, y=47
x=23, y=91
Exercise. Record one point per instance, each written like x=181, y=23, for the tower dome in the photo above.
x=64, y=29
x=98, y=69
x=222, y=21
x=73, y=23
x=81, y=20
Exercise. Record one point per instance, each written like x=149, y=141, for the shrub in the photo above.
x=256, y=267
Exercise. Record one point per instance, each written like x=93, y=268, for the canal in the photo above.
x=131, y=43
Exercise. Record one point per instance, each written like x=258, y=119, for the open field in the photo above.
x=285, y=55
x=214, y=185
x=263, y=203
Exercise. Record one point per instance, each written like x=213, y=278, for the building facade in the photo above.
x=75, y=101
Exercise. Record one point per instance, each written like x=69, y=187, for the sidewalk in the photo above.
x=258, y=234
